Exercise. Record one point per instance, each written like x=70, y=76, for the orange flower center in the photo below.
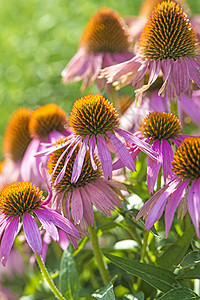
x=168, y=34
x=93, y=114
x=20, y=197
x=105, y=32
x=88, y=174
x=17, y=137
x=46, y=119
x=186, y=161
x=159, y=125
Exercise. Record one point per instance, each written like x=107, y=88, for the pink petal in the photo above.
x=193, y=205
x=32, y=233
x=48, y=225
x=78, y=164
x=180, y=76
x=105, y=157
x=153, y=167
x=92, y=145
x=76, y=206
x=172, y=204
x=87, y=207
x=122, y=151
x=63, y=240
x=8, y=239
x=167, y=155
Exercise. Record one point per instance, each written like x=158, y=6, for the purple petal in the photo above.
x=58, y=220
x=8, y=239
x=153, y=167
x=193, y=70
x=92, y=145
x=32, y=233
x=166, y=69
x=172, y=204
x=122, y=151
x=46, y=178
x=78, y=164
x=105, y=157
x=87, y=207
x=63, y=240
x=167, y=155
x=194, y=205
x=100, y=196
x=76, y=206
x=180, y=76
x=48, y=225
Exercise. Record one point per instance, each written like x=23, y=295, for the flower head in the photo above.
x=104, y=42
x=182, y=191
x=47, y=124
x=17, y=137
x=168, y=44
x=20, y=203
x=76, y=198
x=161, y=130
x=95, y=124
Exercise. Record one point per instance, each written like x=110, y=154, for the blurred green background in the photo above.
x=38, y=38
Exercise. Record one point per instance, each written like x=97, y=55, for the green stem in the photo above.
x=143, y=254
x=174, y=108
x=98, y=254
x=159, y=179
x=48, y=278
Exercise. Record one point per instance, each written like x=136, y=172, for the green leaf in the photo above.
x=160, y=278
x=105, y=293
x=191, y=274
x=190, y=259
x=179, y=294
x=68, y=279
x=138, y=296
x=175, y=253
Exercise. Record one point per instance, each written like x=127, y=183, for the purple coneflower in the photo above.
x=47, y=124
x=15, y=142
x=20, y=203
x=75, y=199
x=95, y=123
x=104, y=42
x=167, y=45
x=162, y=130
x=182, y=191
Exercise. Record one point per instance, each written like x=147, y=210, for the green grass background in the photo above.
x=37, y=39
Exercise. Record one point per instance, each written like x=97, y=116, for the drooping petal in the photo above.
x=99, y=196
x=153, y=167
x=76, y=206
x=46, y=177
x=167, y=155
x=92, y=145
x=63, y=240
x=122, y=151
x=193, y=205
x=105, y=157
x=156, y=212
x=59, y=221
x=8, y=239
x=87, y=207
x=32, y=233
x=78, y=164
x=48, y=225
x=180, y=76
x=172, y=204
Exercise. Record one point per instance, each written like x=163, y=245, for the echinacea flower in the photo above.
x=94, y=122
x=168, y=45
x=20, y=203
x=162, y=131
x=182, y=191
x=15, y=142
x=75, y=199
x=104, y=42
x=47, y=124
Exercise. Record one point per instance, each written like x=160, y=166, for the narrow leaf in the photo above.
x=160, y=278
x=190, y=259
x=175, y=253
x=68, y=279
x=191, y=274
x=179, y=294
x=105, y=293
